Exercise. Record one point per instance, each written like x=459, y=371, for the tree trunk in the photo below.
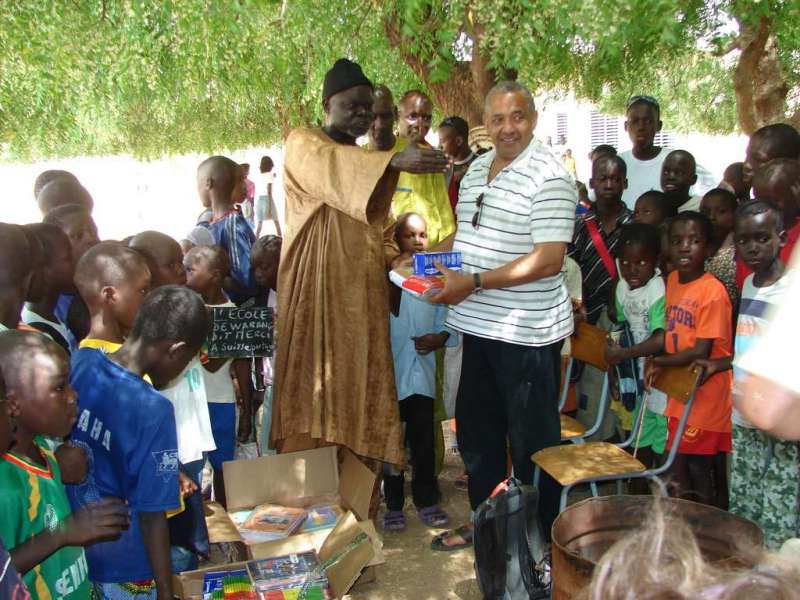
x=464, y=91
x=758, y=83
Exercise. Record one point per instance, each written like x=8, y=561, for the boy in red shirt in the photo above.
x=699, y=326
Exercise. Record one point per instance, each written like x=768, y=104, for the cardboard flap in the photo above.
x=281, y=478
x=346, y=551
x=356, y=483
x=220, y=527
x=377, y=543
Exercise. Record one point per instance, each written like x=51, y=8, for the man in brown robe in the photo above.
x=334, y=377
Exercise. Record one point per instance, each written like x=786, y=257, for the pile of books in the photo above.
x=268, y=522
x=294, y=576
x=423, y=279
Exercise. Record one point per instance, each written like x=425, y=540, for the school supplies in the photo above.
x=421, y=286
x=213, y=581
x=289, y=577
x=271, y=522
x=423, y=262
x=321, y=517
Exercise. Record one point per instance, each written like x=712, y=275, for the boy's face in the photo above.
x=128, y=297
x=786, y=196
x=82, y=234
x=758, y=240
x=642, y=124
x=757, y=154
x=688, y=248
x=449, y=142
x=607, y=181
x=265, y=268
x=238, y=193
x=199, y=275
x=677, y=175
x=168, y=265
x=720, y=213
x=47, y=403
x=648, y=211
x=415, y=117
x=637, y=265
x=413, y=236
x=9, y=410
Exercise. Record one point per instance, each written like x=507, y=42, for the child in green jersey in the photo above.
x=36, y=524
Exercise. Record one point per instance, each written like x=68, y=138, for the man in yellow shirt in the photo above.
x=424, y=194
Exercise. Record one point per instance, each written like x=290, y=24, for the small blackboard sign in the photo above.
x=240, y=332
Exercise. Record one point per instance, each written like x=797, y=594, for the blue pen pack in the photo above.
x=423, y=262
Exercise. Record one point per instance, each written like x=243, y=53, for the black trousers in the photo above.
x=508, y=397
x=417, y=413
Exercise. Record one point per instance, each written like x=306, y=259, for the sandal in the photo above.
x=465, y=532
x=394, y=521
x=461, y=482
x=433, y=516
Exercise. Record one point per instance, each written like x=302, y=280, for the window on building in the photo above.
x=665, y=139
x=604, y=130
x=561, y=129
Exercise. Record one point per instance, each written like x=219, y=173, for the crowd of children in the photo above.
x=690, y=280
x=116, y=406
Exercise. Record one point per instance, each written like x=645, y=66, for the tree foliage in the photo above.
x=162, y=76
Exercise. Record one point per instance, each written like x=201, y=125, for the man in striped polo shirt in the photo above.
x=515, y=216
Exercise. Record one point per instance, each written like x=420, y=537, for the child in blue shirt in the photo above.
x=128, y=431
x=417, y=331
x=217, y=180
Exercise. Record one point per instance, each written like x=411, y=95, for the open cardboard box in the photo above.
x=281, y=479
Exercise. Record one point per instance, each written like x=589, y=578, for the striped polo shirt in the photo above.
x=530, y=201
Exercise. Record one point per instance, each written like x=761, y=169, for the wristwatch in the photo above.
x=476, y=279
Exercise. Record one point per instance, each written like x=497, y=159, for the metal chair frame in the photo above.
x=647, y=473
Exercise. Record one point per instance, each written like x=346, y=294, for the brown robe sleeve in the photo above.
x=350, y=179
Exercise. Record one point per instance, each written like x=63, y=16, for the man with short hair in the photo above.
x=454, y=142
x=381, y=132
x=424, y=194
x=334, y=380
x=644, y=160
x=515, y=216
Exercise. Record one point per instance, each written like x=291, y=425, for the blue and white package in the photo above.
x=423, y=262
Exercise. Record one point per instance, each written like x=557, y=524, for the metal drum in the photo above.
x=584, y=531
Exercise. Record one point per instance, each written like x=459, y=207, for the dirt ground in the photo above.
x=412, y=569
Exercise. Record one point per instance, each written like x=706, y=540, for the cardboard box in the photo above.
x=282, y=479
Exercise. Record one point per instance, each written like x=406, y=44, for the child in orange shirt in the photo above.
x=698, y=327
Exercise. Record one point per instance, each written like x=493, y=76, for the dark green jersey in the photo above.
x=32, y=499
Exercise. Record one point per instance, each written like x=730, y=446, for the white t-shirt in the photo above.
x=693, y=203
x=188, y=396
x=263, y=181
x=219, y=385
x=645, y=175
x=755, y=309
x=644, y=311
